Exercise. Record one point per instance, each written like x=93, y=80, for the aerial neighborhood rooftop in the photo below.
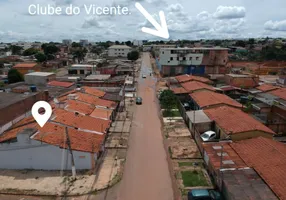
x=192, y=117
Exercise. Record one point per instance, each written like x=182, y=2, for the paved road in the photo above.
x=146, y=174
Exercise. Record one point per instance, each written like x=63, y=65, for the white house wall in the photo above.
x=32, y=154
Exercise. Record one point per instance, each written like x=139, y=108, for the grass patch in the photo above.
x=194, y=178
x=171, y=113
x=187, y=164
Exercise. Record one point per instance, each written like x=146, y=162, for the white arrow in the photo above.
x=161, y=30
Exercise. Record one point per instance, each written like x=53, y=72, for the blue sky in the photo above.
x=186, y=19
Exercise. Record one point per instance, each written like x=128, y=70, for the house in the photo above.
x=235, y=177
x=33, y=147
x=232, y=123
x=119, y=51
x=25, y=68
x=281, y=93
x=267, y=87
x=60, y=84
x=187, y=78
x=39, y=78
x=242, y=80
x=195, y=61
x=194, y=86
x=81, y=69
x=205, y=99
x=67, y=42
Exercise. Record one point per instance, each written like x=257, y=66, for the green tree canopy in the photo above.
x=50, y=48
x=168, y=99
x=133, y=55
x=41, y=57
x=16, y=50
x=30, y=51
x=15, y=76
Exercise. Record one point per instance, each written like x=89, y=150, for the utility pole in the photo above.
x=72, y=158
x=221, y=163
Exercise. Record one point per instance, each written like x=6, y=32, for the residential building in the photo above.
x=81, y=69
x=119, y=51
x=194, y=86
x=242, y=80
x=39, y=78
x=60, y=84
x=196, y=61
x=138, y=43
x=84, y=43
x=226, y=163
x=187, y=78
x=25, y=68
x=208, y=99
x=232, y=123
x=67, y=42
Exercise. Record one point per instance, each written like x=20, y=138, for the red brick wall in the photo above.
x=17, y=109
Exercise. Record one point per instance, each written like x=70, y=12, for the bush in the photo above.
x=168, y=100
x=133, y=55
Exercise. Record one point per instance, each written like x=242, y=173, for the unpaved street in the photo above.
x=146, y=174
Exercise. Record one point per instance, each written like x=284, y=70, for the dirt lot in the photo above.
x=178, y=129
x=183, y=148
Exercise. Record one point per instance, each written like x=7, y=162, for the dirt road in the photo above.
x=146, y=174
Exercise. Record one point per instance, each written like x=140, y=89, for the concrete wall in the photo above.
x=39, y=80
x=118, y=52
x=11, y=112
x=27, y=153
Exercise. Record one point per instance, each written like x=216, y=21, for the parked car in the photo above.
x=187, y=106
x=204, y=194
x=143, y=75
x=208, y=136
x=138, y=100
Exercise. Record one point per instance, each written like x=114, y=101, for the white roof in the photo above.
x=81, y=65
x=40, y=74
x=119, y=47
x=196, y=48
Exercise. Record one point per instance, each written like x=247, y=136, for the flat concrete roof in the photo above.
x=40, y=74
x=196, y=48
x=240, y=75
x=98, y=77
x=200, y=117
x=9, y=98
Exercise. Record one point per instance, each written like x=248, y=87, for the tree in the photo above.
x=50, y=48
x=117, y=43
x=79, y=53
x=30, y=51
x=15, y=76
x=168, y=100
x=96, y=50
x=16, y=50
x=133, y=55
x=128, y=43
x=240, y=43
x=75, y=44
x=41, y=57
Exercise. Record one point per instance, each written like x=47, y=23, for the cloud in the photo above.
x=231, y=26
x=229, y=12
x=91, y=22
x=275, y=25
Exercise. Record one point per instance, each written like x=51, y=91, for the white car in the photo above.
x=208, y=136
x=143, y=75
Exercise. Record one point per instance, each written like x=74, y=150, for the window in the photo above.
x=172, y=51
x=197, y=58
x=177, y=58
x=81, y=71
x=184, y=58
x=190, y=58
x=162, y=52
x=171, y=58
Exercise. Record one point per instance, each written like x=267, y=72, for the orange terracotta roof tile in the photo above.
x=186, y=78
x=214, y=153
x=268, y=158
x=195, y=85
x=179, y=90
x=95, y=100
x=93, y=91
x=267, y=87
x=25, y=65
x=101, y=113
x=80, y=121
x=281, y=93
x=233, y=120
x=80, y=107
x=80, y=141
x=60, y=84
x=208, y=98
